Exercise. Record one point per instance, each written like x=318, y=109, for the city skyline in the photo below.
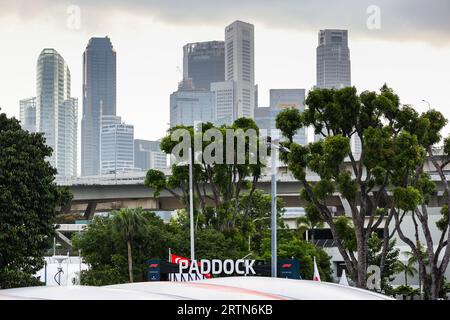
x=373, y=62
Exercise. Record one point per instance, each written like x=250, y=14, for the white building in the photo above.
x=236, y=97
x=225, y=97
x=67, y=138
x=116, y=145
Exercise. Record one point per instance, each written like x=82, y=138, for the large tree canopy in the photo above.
x=218, y=186
x=28, y=202
x=380, y=123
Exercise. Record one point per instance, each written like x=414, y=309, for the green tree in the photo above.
x=105, y=248
x=406, y=291
x=211, y=242
x=309, y=222
x=378, y=121
x=290, y=246
x=407, y=268
x=29, y=199
x=387, y=260
x=218, y=186
x=413, y=193
x=128, y=223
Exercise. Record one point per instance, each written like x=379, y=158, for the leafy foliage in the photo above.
x=227, y=181
x=389, y=154
x=104, y=247
x=29, y=199
x=375, y=256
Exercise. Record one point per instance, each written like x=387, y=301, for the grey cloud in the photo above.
x=426, y=21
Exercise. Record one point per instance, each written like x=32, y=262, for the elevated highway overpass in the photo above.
x=127, y=190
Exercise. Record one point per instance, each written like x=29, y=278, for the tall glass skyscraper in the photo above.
x=334, y=69
x=99, y=96
x=189, y=105
x=56, y=111
x=203, y=63
x=333, y=59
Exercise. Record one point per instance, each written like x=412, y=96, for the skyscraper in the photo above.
x=240, y=66
x=116, y=145
x=56, y=111
x=189, y=105
x=203, y=63
x=67, y=138
x=334, y=69
x=333, y=59
x=99, y=92
x=28, y=114
x=225, y=99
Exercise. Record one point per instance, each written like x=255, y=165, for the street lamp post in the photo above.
x=274, y=225
x=191, y=205
x=429, y=105
x=274, y=147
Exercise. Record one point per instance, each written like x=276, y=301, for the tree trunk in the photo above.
x=362, y=270
x=435, y=287
x=361, y=281
x=130, y=261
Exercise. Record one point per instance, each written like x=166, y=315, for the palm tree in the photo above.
x=128, y=223
x=413, y=259
x=308, y=222
x=407, y=268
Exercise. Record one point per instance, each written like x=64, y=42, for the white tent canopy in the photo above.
x=230, y=288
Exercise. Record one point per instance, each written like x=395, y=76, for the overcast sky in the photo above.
x=410, y=51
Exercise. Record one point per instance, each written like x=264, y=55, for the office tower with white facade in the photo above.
x=225, y=98
x=281, y=99
x=99, y=95
x=148, y=155
x=189, y=105
x=67, y=138
x=333, y=59
x=240, y=69
x=56, y=111
x=27, y=115
x=116, y=145
x=204, y=63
